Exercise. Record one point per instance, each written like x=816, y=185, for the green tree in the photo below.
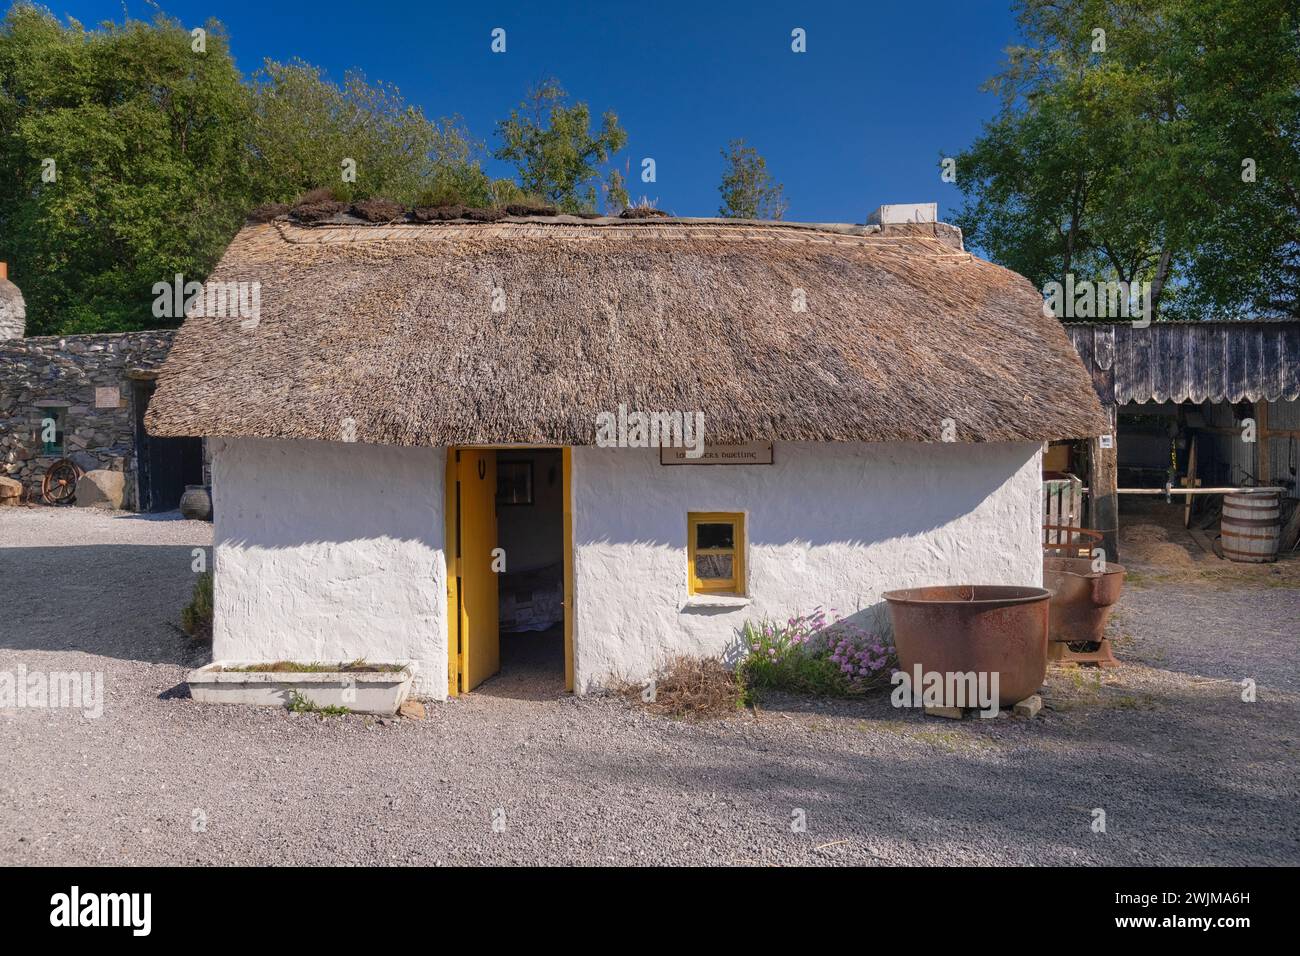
x=557, y=156
x=306, y=128
x=1118, y=152
x=747, y=188
x=123, y=160
x=159, y=148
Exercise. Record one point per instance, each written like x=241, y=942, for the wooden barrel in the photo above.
x=1250, y=525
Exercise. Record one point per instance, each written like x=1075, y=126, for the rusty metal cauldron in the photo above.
x=984, y=628
x=1082, y=598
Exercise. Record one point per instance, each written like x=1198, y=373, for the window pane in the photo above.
x=713, y=567
x=715, y=536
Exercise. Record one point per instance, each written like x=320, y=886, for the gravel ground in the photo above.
x=1186, y=772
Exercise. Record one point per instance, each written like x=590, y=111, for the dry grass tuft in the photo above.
x=690, y=688
x=644, y=208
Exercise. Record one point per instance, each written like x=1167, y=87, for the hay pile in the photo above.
x=1150, y=544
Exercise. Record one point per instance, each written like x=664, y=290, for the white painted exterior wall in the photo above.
x=330, y=551
x=829, y=525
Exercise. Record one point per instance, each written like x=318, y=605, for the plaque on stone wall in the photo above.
x=107, y=397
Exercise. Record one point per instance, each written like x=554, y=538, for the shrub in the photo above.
x=691, y=687
x=809, y=655
x=196, y=617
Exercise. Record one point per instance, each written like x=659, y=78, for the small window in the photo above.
x=49, y=429
x=716, y=549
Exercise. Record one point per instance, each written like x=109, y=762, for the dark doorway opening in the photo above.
x=530, y=532
x=164, y=466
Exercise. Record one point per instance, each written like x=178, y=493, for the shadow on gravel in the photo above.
x=154, y=516
x=119, y=601
x=1178, y=785
x=179, y=692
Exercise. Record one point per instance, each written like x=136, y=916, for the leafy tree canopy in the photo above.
x=306, y=130
x=1147, y=140
x=130, y=153
x=747, y=188
x=558, y=157
x=122, y=161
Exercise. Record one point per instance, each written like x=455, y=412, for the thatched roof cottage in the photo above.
x=429, y=434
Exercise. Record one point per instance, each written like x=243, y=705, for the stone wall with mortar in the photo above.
x=76, y=373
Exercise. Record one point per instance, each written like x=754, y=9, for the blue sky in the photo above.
x=884, y=90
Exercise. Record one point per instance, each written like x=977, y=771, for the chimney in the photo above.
x=13, y=311
x=905, y=212
x=916, y=219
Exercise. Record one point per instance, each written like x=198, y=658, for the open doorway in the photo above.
x=508, y=537
x=164, y=466
x=530, y=591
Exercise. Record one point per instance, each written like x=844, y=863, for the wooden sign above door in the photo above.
x=750, y=453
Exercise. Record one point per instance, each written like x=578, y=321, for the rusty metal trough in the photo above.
x=982, y=628
x=1082, y=599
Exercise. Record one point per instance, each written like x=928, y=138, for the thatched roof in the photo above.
x=393, y=327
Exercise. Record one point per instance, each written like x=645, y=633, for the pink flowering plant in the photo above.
x=815, y=654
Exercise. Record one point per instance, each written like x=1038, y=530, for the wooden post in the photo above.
x=1263, y=464
x=1103, y=480
x=1190, y=481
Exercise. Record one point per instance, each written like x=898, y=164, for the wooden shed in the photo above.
x=1209, y=402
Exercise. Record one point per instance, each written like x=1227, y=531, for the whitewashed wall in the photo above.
x=332, y=551
x=829, y=525
x=327, y=551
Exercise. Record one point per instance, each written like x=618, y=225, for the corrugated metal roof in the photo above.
x=1191, y=361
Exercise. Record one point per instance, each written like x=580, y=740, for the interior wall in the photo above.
x=531, y=591
x=330, y=551
x=533, y=535
x=830, y=525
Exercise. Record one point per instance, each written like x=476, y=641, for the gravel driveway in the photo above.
x=1184, y=770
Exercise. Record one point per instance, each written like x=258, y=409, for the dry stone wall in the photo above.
x=83, y=381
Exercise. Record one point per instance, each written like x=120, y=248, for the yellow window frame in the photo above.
x=736, y=583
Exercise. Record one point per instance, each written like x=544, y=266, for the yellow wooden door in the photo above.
x=452, y=549
x=480, y=645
